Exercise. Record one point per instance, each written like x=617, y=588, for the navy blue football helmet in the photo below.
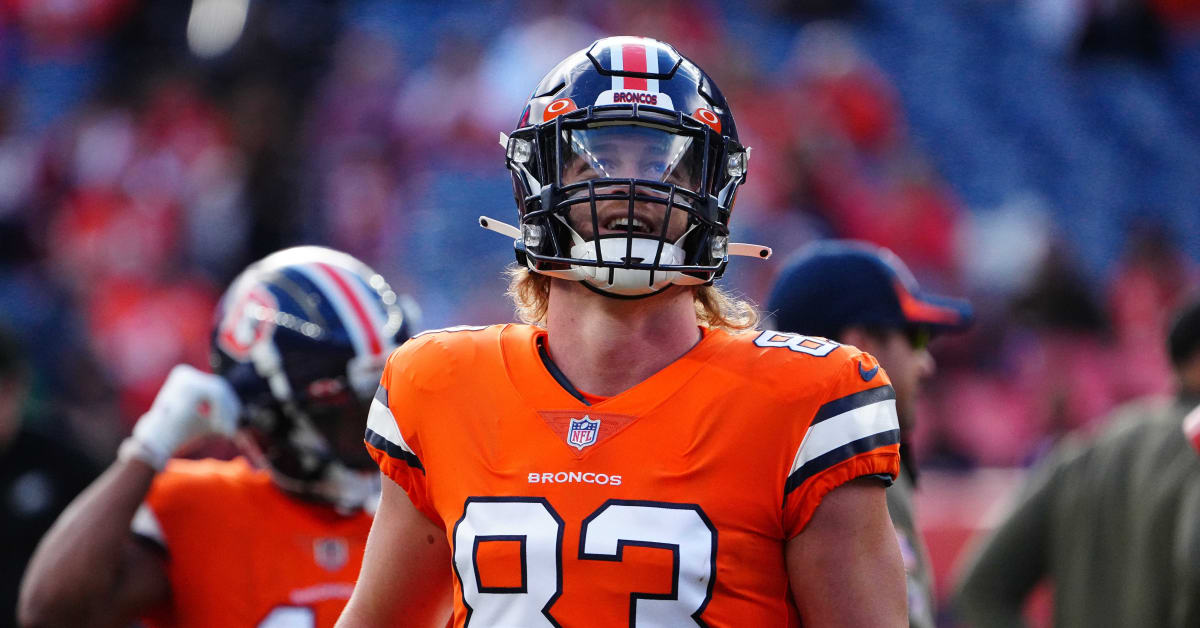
x=625, y=166
x=302, y=335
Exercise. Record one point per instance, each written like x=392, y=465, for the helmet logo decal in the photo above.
x=707, y=116
x=640, y=57
x=558, y=108
x=246, y=323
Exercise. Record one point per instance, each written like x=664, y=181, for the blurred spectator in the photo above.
x=64, y=28
x=1112, y=521
x=525, y=50
x=1181, y=15
x=40, y=473
x=438, y=110
x=814, y=8
x=864, y=296
x=1150, y=279
x=1127, y=27
x=855, y=166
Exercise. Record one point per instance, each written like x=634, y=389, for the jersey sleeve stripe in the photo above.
x=840, y=454
x=848, y=426
x=850, y=402
x=384, y=434
x=146, y=525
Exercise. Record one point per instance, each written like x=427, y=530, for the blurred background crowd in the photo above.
x=1040, y=157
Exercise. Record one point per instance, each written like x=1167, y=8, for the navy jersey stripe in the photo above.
x=557, y=373
x=393, y=450
x=381, y=395
x=841, y=454
x=851, y=402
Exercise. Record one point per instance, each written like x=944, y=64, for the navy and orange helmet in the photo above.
x=303, y=335
x=625, y=166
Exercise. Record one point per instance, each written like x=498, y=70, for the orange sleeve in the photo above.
x=392, y=437
x=854, y=432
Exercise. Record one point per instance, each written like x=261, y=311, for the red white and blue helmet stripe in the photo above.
x=358, y=308
x=638, y=55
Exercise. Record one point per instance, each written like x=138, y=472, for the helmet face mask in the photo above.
x=302, y=336
x=628, y=181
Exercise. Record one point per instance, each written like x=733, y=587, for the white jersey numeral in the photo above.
x=528, y=521
x=289, y=617
x=812, y=345
x=683, y=529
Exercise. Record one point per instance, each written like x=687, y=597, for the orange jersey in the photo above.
x=240, y=552
x=666, y=505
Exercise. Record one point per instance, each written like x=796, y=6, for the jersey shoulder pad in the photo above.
x=188, y=473
x=436, y=358
x=186, y=487
x=799, y=363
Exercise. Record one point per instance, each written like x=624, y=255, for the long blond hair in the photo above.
x=715, y=308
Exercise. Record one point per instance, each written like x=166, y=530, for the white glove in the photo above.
x=191, y=403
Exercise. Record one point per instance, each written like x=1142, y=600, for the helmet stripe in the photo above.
x=617, y=64
x=340, y=305
x=337, y=302
x=377, y=312
x=634, y=60
x=651, y=64
x=356, y=305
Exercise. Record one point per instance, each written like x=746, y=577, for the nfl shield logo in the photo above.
x=582, y=432
x=331, y=553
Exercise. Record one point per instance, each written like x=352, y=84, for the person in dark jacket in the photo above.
x=1112, y=521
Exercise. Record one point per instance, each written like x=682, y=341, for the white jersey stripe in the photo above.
x=381, y=421
x=146, y=524
x=846, y=428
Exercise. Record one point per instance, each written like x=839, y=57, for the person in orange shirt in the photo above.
x=298, y=348
x=638, y=455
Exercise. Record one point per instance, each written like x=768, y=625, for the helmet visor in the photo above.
x=632, y=151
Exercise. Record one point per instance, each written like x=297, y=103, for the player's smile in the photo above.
x=625, y=223
x=613, y=219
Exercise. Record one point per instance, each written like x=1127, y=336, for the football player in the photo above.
x=863, y=295
x=298, y=347
x=636, y=456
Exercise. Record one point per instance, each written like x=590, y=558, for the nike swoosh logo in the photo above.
x=867, y=375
